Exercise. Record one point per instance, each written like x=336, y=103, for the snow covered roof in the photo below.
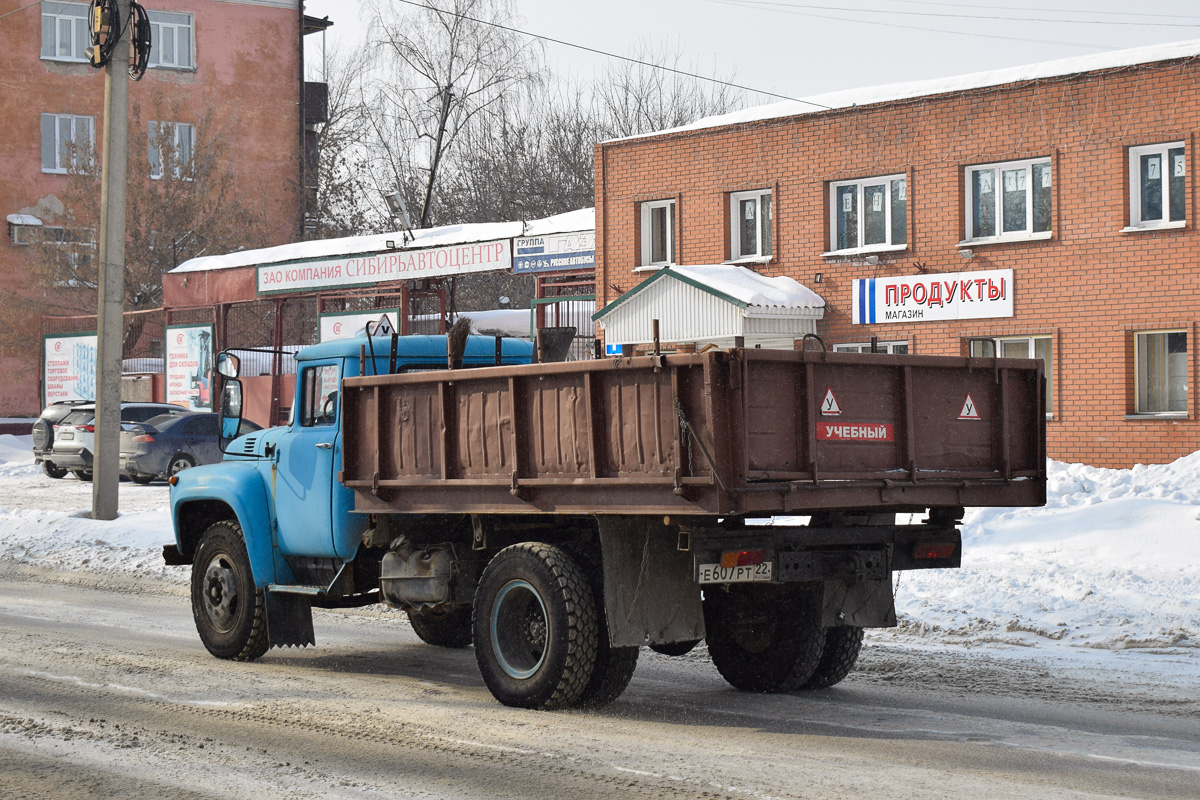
x=584, y=219
x=1112, y=59
x=709, y=302
x=737, y=285
x=23, y=219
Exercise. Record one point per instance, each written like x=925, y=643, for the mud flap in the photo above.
x=650, y=593
x=289, y=620
x=863, y=604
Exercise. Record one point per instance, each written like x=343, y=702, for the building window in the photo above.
x=1009, y=200
x=1161, y=369
x=171, y=35
x=170, y=147
x=1039, y=347
x=64, y=31
x=68, y=142
x=751, y=224
x=658, y=233
x=865, y=347
x=1157, y=186
x=869, y=214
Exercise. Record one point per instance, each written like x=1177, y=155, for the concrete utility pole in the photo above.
x=111, y=304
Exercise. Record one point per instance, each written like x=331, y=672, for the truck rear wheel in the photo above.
x=230, y=611
x=759, y=644
x=535, y=627
x=446, y=627
x=842, y=646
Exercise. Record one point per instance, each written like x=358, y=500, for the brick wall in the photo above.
x=1089, y=287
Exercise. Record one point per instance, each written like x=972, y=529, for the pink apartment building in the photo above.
x=236, y=64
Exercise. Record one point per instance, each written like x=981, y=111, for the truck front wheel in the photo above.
x=763, y=644
x=443, y=627
x=230, y=610
x=535, y=627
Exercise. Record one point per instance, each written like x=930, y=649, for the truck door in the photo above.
x=304, y=480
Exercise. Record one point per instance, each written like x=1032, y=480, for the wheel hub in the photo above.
x=220, y=594
x=519, y=630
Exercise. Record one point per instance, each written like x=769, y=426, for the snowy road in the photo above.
x=108, y=692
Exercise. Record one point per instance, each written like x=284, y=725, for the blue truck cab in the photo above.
x=269, y=530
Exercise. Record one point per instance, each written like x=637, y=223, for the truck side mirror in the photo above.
x=231, y=410
x=227, y=364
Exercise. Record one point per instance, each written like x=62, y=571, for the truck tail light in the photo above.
x=143, y=437
x=933, y=551
x=742, y=558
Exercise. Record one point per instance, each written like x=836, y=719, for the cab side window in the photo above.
x=319, y=395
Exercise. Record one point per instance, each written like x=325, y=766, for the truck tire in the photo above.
x=613, y=668
x=842, y=646
x=448, y=627
x=230, y=611
x=52, y=470
x=83, y=475
x=535, y=627
x=760, y=644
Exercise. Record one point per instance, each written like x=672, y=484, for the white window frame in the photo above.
x=73, y=17
x=1030, y=342
x=998, y=169
x=865, y=347
x=647, y=226
x=1136, y=223
x=179, y=170
x=861, y=184
x=76, y=122
x=765, y=223
x=1138, y=381
x=164, y=24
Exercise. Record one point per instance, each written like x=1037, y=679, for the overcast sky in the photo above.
x=797, y=49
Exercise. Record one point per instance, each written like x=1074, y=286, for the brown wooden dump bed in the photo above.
x=720, y=433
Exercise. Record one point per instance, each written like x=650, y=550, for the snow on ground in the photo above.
x=1112, y=562
x=45, y=522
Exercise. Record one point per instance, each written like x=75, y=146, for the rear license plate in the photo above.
x=66, y=435
x=750, y=573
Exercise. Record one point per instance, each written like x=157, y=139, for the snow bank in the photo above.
x=1112, y=561
x=46, y=522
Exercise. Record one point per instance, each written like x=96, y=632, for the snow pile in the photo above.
x=46, y=522
x=1111, y=562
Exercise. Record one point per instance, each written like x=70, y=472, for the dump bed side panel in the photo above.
x=719, y=433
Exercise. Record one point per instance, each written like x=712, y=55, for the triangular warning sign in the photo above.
x=969, y=411
x=381, y=328
x=829, y=406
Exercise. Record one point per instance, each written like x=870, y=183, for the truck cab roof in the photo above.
x=480, y=351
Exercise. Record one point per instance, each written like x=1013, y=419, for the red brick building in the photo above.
x=233, y=65
x=1046, y=211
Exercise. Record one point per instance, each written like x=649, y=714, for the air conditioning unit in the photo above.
x=23, y=229
x=23, y=234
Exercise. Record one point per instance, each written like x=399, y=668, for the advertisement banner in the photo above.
x=347, y=324
x=68, y=367
x=189, y=366
x=933, y=297
x=358, y=270
x=555, y=251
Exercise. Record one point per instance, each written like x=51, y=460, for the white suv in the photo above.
x=75, y=435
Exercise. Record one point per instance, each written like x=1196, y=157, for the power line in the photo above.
x=652, y=65
x=941, y=14
x=22, y=8
x=745, y=3
x=1137, y=14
